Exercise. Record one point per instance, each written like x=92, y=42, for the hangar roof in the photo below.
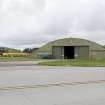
x=72, y=42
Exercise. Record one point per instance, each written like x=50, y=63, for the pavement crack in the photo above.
x=22, y=87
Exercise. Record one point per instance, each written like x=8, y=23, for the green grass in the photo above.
x=10, y=59
x=81, y=63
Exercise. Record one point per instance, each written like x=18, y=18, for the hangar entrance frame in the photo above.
x=70, y=52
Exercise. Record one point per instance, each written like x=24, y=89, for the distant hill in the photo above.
x=11, y=50
x=8, y=50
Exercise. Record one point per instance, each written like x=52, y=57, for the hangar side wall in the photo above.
x=95, y=54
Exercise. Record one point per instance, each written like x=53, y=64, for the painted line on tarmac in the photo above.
x=22, y=87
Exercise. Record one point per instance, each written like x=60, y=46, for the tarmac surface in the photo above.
x=26, y=83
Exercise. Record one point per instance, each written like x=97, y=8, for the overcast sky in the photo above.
x=31, y=23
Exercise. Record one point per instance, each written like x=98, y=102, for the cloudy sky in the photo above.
x=31, y=23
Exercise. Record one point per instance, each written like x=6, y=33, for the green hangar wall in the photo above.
x=71, y=48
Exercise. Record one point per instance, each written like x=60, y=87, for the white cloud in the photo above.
x=31, y=23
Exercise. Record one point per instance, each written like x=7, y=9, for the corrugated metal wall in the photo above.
x=82, y=52
x=95, y=54
x=58, y=52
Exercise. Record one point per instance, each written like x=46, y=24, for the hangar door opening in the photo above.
x=69, y=52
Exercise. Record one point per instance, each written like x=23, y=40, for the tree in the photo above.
x=2, y=50
x=27, y=50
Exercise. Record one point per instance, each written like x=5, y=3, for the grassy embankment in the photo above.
x=80, y=63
